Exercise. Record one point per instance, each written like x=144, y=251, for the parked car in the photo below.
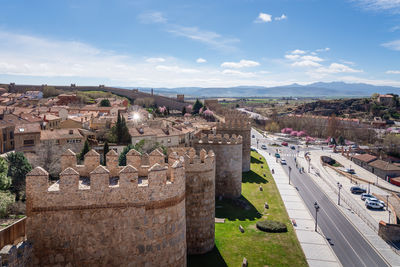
x=374, y=199
x=264, y=147
x=283, y=162
x=357, y=190
x=364, y=196
x=277, y=155
x=293, y=147
x=284, y=144
x=330, y=146
x=351, y=171
x=373, y=205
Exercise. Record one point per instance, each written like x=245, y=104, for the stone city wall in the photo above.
x=228, y=157
x=238, y=124
x=200, y=198
x=138, y=221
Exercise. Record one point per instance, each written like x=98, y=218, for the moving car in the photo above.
x=264, y=147
x=374, y=199
x=357, y=190
x=284, y=144
x=277, y=155
x=373, y=205
x=364, y=196
x=283, y=162
x=351, y=171
x=293, y=147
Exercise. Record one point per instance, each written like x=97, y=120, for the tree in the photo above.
x=5, y=180
x=17, y=170
x=341, y=141
x=272, y=127
x=197, y=106
x=85, y=149
x=333, y=125
x=105, y=103
x=122, y=156
x=106, y=149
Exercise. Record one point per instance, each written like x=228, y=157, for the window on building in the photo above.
x=11, y=135
x=29, y=142
x=57, y=142
x=4, y=137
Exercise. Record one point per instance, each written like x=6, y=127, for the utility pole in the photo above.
x=339, y=187
x=387, y=202
x=290, y=169
x=369, y=185
x=316, y=206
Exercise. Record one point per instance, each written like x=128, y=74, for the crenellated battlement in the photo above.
x=218, y=139
x=234, y=124
x=156, y=183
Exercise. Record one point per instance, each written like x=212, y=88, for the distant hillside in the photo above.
x=319, y=89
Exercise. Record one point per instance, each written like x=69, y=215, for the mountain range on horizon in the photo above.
x=317, y=89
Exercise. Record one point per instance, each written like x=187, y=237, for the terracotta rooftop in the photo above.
x=365, y=157
x=383, y=165
x=27, y=128
x=60, y=134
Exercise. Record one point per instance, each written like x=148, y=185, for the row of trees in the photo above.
x=323, y=128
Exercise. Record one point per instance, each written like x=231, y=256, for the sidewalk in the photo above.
x=369, y=234
x=317, y=250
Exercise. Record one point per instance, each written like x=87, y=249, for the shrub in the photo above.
x=271, y=226
x=6, y=199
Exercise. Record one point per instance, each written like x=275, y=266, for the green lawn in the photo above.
x=260, y=248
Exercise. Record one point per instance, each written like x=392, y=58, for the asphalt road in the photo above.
x=348, y=244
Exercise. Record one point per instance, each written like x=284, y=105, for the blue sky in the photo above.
x=199, y=43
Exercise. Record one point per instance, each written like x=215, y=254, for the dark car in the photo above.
x=357, y=190
x=293, y=147
x=284, y=144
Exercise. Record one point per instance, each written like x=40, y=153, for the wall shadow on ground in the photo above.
x=255, y=160
x=236, y=209
x=252, y=177
x=212, y=258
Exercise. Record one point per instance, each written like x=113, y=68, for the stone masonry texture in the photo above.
x=140, y=221
x=228, y=157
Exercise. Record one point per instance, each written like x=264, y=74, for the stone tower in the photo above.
x=84, y=220
x=200, y=198
x=228, y=155
x=239, y=124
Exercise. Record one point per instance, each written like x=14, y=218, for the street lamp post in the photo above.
x=316, y=206
x=387, y=202
x=339, y=187
x=290, y=169
x=376, y=179
x=369, y=185
x=257, y=142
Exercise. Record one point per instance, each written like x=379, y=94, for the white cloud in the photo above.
x=394, y=28
x=155, y=60
x=326, y=49
x=210, y=38
x=282, y=17
x=176, y=69
x=263, y=18
x=312, y=58
x=380, y=5
x=238, y=73
x=393, y=45
x=337, y=68
x=241, y=64
x=393, y=72
x=292, y=57
x=298, y=52
x=201, y=60
x=152, y=17
x=306, y=63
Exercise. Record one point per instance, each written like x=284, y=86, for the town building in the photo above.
x=384, y=169
x=363, y=160
x=27, y=137
x=385, y=99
